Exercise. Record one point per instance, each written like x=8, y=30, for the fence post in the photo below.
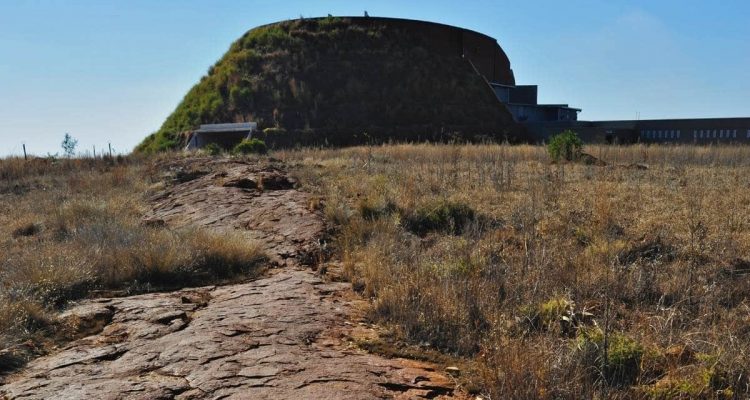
x=24, y=152
x=110, y=149
x=94, y=147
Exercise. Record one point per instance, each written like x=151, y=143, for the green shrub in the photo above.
x=623, y=361
x=565, y=146
x=545, y=316
x=213, y=149
x=441, y=216
x=371, y=212
x=250, y=146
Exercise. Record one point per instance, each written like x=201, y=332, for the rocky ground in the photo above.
x=286, y=335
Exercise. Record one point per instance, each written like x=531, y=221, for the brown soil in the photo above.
x=287, y=335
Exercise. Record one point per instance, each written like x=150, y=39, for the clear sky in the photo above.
x=111, y=71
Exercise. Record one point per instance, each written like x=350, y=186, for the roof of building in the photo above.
x=235, y=127
x=564, y=106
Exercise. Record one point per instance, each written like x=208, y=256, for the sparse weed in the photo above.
x=655, y=241
x=75, y=228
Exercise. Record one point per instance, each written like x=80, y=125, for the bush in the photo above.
x=250, y=146
x=547, y=316
x=213, y=149
x=623, y=356
x=565, y=146
x=441, y=216
x=372, y=212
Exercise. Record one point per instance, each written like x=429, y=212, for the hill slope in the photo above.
x=340, y=81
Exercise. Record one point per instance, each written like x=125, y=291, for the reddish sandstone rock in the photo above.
x=282, y=336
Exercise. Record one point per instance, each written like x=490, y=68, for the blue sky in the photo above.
x=111, y=71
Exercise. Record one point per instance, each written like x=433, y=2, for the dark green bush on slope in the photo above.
x=250, y=146
x=329, y=80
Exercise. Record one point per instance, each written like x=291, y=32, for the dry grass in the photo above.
x=71, y=229
x=560, y=281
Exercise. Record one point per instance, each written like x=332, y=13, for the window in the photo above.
x=671, y=134
x=678, y=134
x=734, y=133
x=701, y=133
x=714, y=133
x=695, y=134
x=748, y=133
x=721, y=133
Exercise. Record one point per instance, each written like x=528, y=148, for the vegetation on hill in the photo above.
x=317, y=81
x=552, y=280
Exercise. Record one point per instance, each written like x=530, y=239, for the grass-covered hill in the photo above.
x=338, y=81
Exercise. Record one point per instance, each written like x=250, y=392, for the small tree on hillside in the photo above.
x=565, y=146
x=69, y=145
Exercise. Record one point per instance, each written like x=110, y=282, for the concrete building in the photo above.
x=521, y=101
x=224, y=135
x=699, y=131
x=686, y=131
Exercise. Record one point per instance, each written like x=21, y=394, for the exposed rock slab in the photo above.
x=281, y=336
x=264, y=339
x=258, y=199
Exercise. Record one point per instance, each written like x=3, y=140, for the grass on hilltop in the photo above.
x=333, y=81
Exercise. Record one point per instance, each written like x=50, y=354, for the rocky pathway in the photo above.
x=281, y=336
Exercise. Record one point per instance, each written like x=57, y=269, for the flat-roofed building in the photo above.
x=223, y=135
x=686, y=131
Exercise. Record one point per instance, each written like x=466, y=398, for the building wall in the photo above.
x=693, y=131
x=539, y=113
x=524, y=94
x=502, y=93
x=715, y=130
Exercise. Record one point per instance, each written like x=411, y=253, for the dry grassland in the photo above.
x=72, y=228
x=557, y=281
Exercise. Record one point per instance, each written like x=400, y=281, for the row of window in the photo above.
x=697, y=134
x=670, y=134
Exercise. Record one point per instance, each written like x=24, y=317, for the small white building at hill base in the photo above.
x=224, y=135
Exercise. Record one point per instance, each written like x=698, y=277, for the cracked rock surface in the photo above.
x=257, y=199
x=281, y=336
